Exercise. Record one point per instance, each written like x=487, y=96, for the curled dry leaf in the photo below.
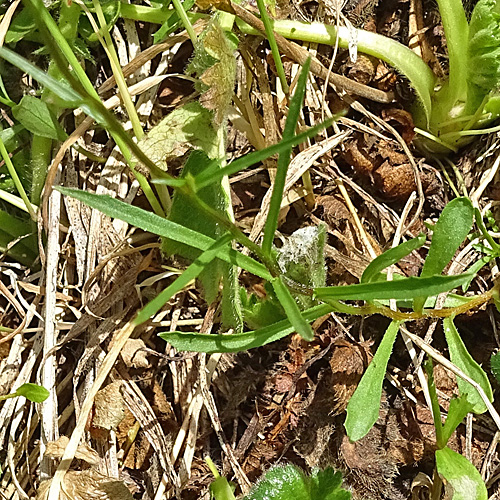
x=87, y=485
x=55, y=449
x=109, y=409
x=134, y=354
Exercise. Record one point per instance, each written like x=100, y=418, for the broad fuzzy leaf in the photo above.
x=301, y=259
x=188, y=127
x=484, y=52
x=184, y=213
x=35, y=116
x=215, y=63
x=495, y=365
x=289, y=482
x=461, y=475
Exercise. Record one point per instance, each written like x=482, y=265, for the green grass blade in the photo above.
x=364, y=405
x=191, y=273
x=292, y=311
x=406, y=288
x=163, y=227
x=284, y=160
x=215, y=173
x=273, y=44
x=390, y=257
x=200, y=342
x=460, y=356
x=452, y=227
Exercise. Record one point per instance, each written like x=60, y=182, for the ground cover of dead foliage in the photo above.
x=158, y=412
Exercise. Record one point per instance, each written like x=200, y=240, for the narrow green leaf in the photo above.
x=459, y=407
x=200, y=342
x=452, y=227
x=461, y=475
x=162, y=227
x=191, y=273
x=390, y=257
x=214, y=173
x=461, y=358
x=406, y=288
x=33, y=392
x=292, y=311
x=63, y=91
x=364, y=405
x=284, y=160
x=35, y=116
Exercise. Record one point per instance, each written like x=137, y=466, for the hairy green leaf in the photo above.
x=162, y=227
x=302, y=260
x=390, y=257
x=185, y=214
x=460, y=356
x=187, y=127
x=292, y=310
x=452, y=227
x=289, y=482
x=459, y=407
x=461, y=475
x=35, y=116
x=495, y=365
x=200, y=342
x=364, y=405
x=405, y=288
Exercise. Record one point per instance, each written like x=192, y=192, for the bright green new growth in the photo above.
x=32, y=392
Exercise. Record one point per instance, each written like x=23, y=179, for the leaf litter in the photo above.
x=278, y=404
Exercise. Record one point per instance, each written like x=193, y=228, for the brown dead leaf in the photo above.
x=87, y=485
x=134, y=354
x=109, y=409
x=55, y=449
x=348, y=363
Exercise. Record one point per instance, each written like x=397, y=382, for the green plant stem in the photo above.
x=456, y=30
x=8, y=396
x=436, y=412
x=284, y=161
x=390, y=51
x=118, y=74
x=274, y=46
x=62, y=44
x=17, y=181
x=185, y=20
x=41, y=147
x=41, y=155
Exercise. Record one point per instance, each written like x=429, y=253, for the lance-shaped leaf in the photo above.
x=363, y=407
x=452, y=227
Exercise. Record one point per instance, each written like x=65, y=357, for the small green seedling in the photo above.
x=285, y=482
x=451, y=229
x=32, y=392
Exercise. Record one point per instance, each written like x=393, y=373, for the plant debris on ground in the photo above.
x=249, y=250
